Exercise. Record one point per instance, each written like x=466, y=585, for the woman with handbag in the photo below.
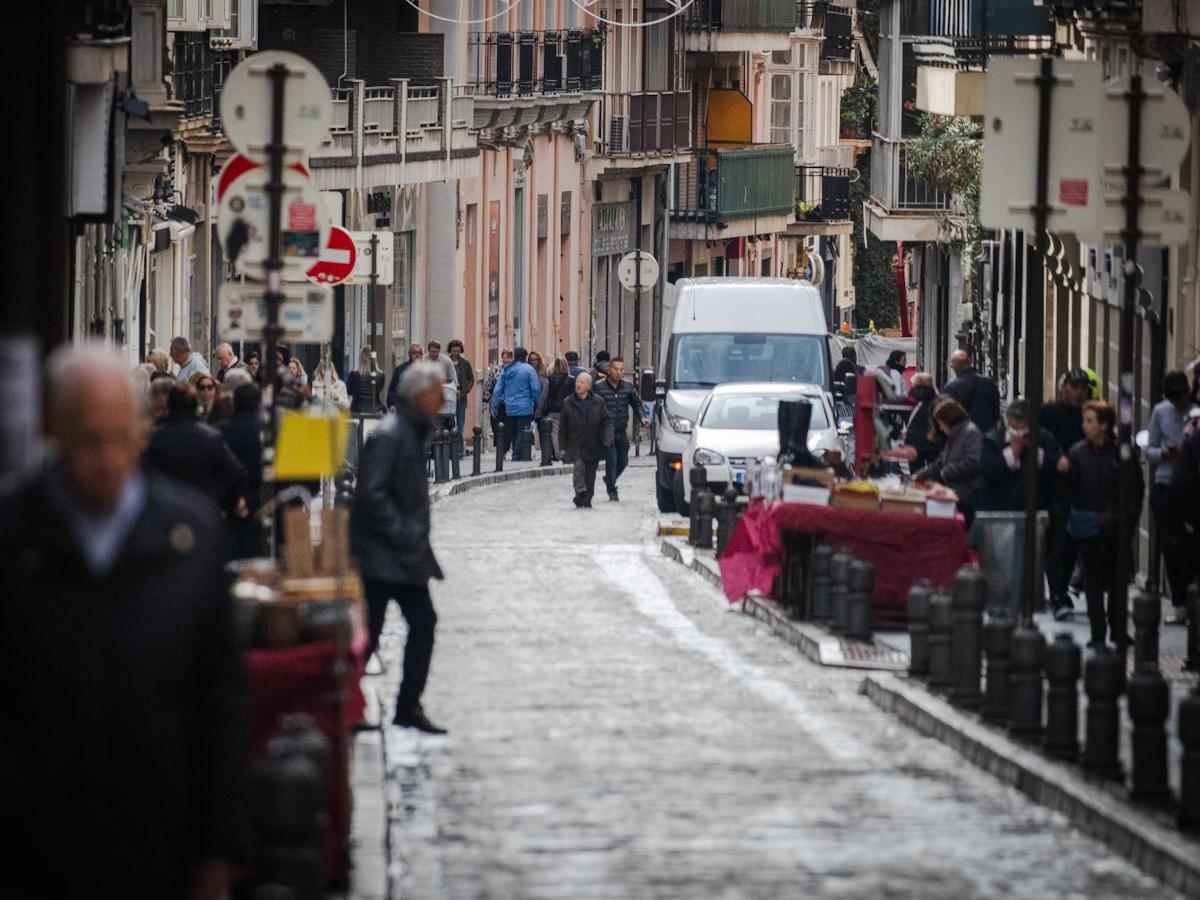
x=1092, y=520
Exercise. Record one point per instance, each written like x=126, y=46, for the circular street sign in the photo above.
x=246, y=99
x=338, y=255
x=243, y=223
x=239, y=165
x=631, y=270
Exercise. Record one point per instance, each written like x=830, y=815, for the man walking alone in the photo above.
x=619, y=396
x=585, y=433
x=389, y=532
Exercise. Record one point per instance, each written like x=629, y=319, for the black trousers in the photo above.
x=417, y=607
x=1060, y=555
x=1175, y=558
x=1099, y=557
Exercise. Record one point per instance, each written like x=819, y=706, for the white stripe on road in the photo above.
x=633, y=577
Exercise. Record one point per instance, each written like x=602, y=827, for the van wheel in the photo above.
x=681, y=505
x=664, y=495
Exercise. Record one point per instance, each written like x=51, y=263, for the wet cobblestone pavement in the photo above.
x=617, y=731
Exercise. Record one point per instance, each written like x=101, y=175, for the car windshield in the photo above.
x=755, y=412
x=706, y=360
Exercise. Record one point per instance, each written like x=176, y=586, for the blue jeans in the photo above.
x=514, y=426
x=460, y=419
x=616, y=460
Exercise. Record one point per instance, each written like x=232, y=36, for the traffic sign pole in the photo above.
x=1130, y=236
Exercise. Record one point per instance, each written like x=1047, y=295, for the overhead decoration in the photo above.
x=587, y=6
x=509, y=6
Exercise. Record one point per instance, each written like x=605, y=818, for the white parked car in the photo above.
x=740, y=422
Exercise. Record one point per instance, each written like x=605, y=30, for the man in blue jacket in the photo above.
x=518, y=389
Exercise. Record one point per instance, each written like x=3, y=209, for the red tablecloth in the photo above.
x=302, y=679
x=902, y=546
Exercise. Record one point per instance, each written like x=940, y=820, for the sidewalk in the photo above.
x=1143, y=833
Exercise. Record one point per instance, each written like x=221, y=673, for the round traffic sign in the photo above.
x=338, y=255
x=637, y=267
x=247, y=97
x=240, y=164
x=243, y=223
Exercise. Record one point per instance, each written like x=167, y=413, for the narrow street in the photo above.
x=616, y=730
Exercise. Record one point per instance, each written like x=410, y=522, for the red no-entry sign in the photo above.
x=239, y=165
x=337, y=258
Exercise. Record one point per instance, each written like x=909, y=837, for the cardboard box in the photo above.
x=940, y=509
x=912, y=502
x=805, y=493
x=855, y=500
x=821, y=475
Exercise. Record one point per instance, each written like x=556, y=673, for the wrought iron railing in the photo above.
x=746, y=15
x=192, y=73
x=736, y=183
x=645, y=122
x=975, y=18
x=527, y=63
x=822, y=194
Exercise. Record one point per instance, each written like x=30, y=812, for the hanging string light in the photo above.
x=588, y=7
x=511, y=4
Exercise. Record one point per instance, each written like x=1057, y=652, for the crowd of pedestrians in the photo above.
x=981, y=455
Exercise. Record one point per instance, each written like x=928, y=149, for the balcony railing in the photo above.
x=966, y=18
x=839, y=35
x=895, y=186
x=740, y=183
x=822, y=194
x=528, y=63
x=645, y=123
x=192, y=73
x=746, y=15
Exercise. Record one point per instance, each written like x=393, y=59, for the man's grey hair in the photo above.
x=234, y=377
x=419, y=378
x=224, y=345
x=71, y=364
x=181, y=343
x=585, y=375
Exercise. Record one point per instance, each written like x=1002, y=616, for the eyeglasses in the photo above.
x=206, y=387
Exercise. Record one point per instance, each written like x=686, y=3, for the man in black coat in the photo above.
x=121, y=740
x=243, y=435
x=585, y=432
x=619, y=396
x=184, y=448
x=1063, y=419
x=977, y=393
x=389, y=532
x=1003, y=456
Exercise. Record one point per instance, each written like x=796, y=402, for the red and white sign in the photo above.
x=240, y=164
x=337, y=259
x=1073, y=191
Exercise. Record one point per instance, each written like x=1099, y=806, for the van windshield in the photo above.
x=706, y=360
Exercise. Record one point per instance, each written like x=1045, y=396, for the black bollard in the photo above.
x=476, y=450
x=440, y=476
x=941, y=622
x=546, y=440
x=704, y=502
x=726, y=516
x=968, y=594
x=1188, y=727
x=839, y=590
x=820, y=608
x=1149, y=706
x=1193, y=628
x=997, y=648
x=523, y=444
x=500, y=446
x=862, y=585
x=1064, y=663
x=918, y=627
x=698, y=479
x=455, y=455
x=1147, y=613
x=1027, y=656
x=790, y=584
x=1103, y=682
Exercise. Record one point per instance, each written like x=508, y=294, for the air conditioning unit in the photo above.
x=618, y=134
x=241, y=32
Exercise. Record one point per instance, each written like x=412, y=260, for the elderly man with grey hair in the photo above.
x=389, y=532
x=116, y=636
x=189, y=361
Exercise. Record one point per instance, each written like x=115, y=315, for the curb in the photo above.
x=453, y=489
x=1141, y=837
x=671, y=551
x=761, y=608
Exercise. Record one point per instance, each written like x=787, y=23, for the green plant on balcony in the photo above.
x=857, y=112
x=948, y=156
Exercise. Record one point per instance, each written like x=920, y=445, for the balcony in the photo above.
x=735, y=26
x=733, y=192
x=651, y=124
x=398, y=134
x=839, y=35
x=528, y=78
x=822, y=201
x=902, y=206
x=197, y=74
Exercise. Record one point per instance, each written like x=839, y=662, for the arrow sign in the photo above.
x=337, y=258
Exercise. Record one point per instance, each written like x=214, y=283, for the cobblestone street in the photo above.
x=617, y=731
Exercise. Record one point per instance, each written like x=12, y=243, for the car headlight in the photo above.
x=679, y=424
x=704, y=457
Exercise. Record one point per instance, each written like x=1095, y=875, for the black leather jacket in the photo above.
x=389, y=523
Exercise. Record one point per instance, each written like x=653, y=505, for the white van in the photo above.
x=725, y=330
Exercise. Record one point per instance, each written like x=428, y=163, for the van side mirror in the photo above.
x=646, y=386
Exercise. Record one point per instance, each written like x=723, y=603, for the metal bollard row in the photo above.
x=918, y=627
x=820, y=605
x=700, y=510
x=1064, y=664
x=1103, y=682
x=546, y=440
x=1147, y=614
x=839, y=590
x=500, y=446
x=941, y=623
x=1026, y=660
x=455, y=457
x=861, y=586
x=476, y=449
x=997, y=649
x=968, y=594
x=727, y=511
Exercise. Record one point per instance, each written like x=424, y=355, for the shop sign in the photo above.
x=612, y=228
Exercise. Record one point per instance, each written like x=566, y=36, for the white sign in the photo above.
x=632, y=271
x=362, y=264
x=1010, y=138
x=306, y=313
x=247, y=98
x=243, y=215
